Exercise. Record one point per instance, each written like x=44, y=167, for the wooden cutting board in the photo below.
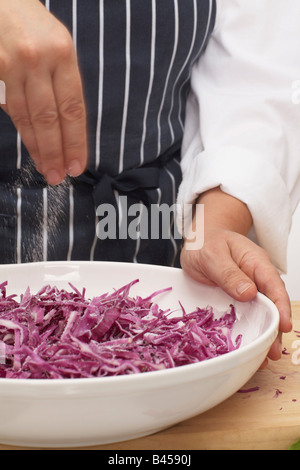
x=265, y=419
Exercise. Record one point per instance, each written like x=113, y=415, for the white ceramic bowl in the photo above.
x=85, y=412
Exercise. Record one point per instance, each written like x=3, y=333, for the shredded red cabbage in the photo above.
x=60, y=334
x=249, y=390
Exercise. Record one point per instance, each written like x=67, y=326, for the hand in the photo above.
x=44, y=95
x=231, y=261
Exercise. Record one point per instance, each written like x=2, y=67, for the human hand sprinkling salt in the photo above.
x=44, y=97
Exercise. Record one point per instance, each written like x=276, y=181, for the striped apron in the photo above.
x=135, y=58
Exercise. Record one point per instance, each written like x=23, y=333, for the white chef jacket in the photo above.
x=243, y=117
x=242, y=130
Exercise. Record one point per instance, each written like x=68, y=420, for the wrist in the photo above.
x=224, y=212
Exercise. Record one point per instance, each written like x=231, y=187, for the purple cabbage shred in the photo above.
x=60, y=334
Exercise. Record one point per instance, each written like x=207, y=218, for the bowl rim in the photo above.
x=169, y=376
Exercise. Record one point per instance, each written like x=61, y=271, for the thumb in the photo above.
x=245, y=289
x=233, y=281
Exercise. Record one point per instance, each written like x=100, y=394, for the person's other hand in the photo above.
x=230, y=260
x=44, y=96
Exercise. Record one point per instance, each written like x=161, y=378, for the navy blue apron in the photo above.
x=135, y=58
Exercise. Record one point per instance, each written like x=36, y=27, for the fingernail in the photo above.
x=75, y=168
x=243, y=287
x=53, y=178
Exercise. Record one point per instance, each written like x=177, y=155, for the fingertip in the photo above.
x=286, y=324
x=284, y=308
x=75, y=168
x=54, y=177
x=275, y=352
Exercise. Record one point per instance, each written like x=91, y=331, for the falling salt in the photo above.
x=48, y=213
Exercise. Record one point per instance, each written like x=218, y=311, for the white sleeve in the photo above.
x=242, y=128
